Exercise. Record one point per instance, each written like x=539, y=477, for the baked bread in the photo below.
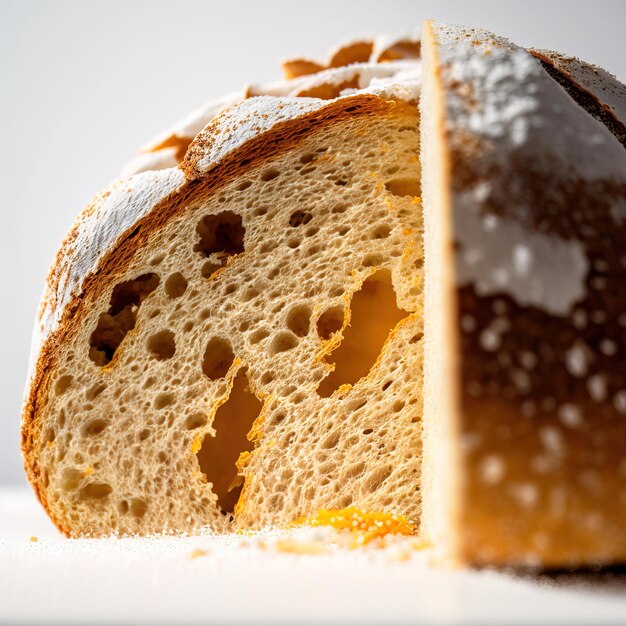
x=272, y=283
x=524, y=180
x=193, y=304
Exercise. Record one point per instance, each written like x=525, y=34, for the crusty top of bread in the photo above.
x=506, y=119
x=603, y=86
x=168, y=149
x=354, y=65
x=593, y=88
x=105, y=223
x=365, y=49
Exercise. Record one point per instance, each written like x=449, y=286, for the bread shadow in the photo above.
x=609, y=580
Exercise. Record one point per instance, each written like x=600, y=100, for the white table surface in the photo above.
x=156, y=581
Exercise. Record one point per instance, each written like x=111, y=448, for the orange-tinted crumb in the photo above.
x=390, y=205
x=34, y=539
x=196, y=444
x=366, y=525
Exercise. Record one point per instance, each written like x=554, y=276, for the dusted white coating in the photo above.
x=253, y=117
x=516, y=105
x=519, y=104
x=200, y=580
x=112, y=214
x=365, y=74
x=498, y=255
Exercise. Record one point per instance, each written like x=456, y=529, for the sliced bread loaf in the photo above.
x=272, y=283
x=237, y=342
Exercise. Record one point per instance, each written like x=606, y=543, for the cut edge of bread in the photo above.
x=440, y=421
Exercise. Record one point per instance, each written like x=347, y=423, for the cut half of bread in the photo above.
x=271, y=285
x=524, y=179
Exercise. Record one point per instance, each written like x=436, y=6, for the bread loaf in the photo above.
x=260, y=325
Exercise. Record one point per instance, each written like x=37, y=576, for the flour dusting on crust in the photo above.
x=535, y=269
x=503, y=100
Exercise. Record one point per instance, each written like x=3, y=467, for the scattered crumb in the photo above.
x=295, y=546
x=34, y=539
x=196, y=553
x=400, y=554
x=420, y=544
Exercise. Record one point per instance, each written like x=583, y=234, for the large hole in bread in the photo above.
x=374, y=314
x=175, y=285
x=221, y=235
x=162, y=345
x=404, y=186
x=330, y=322
x=121, y=317
x=218, y=455
x=95, y=491
x=217, y=359
x=298, y=320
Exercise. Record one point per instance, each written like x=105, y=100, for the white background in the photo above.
x=83, y=84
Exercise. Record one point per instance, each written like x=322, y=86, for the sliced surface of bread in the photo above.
x=271, y=285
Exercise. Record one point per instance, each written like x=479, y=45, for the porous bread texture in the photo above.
x=524, y=199
x=243, y=287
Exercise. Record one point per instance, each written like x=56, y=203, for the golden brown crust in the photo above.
x=401, y=49
x=178, y=144
x=279, y=138
x=353, y=52
x=293, y=68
